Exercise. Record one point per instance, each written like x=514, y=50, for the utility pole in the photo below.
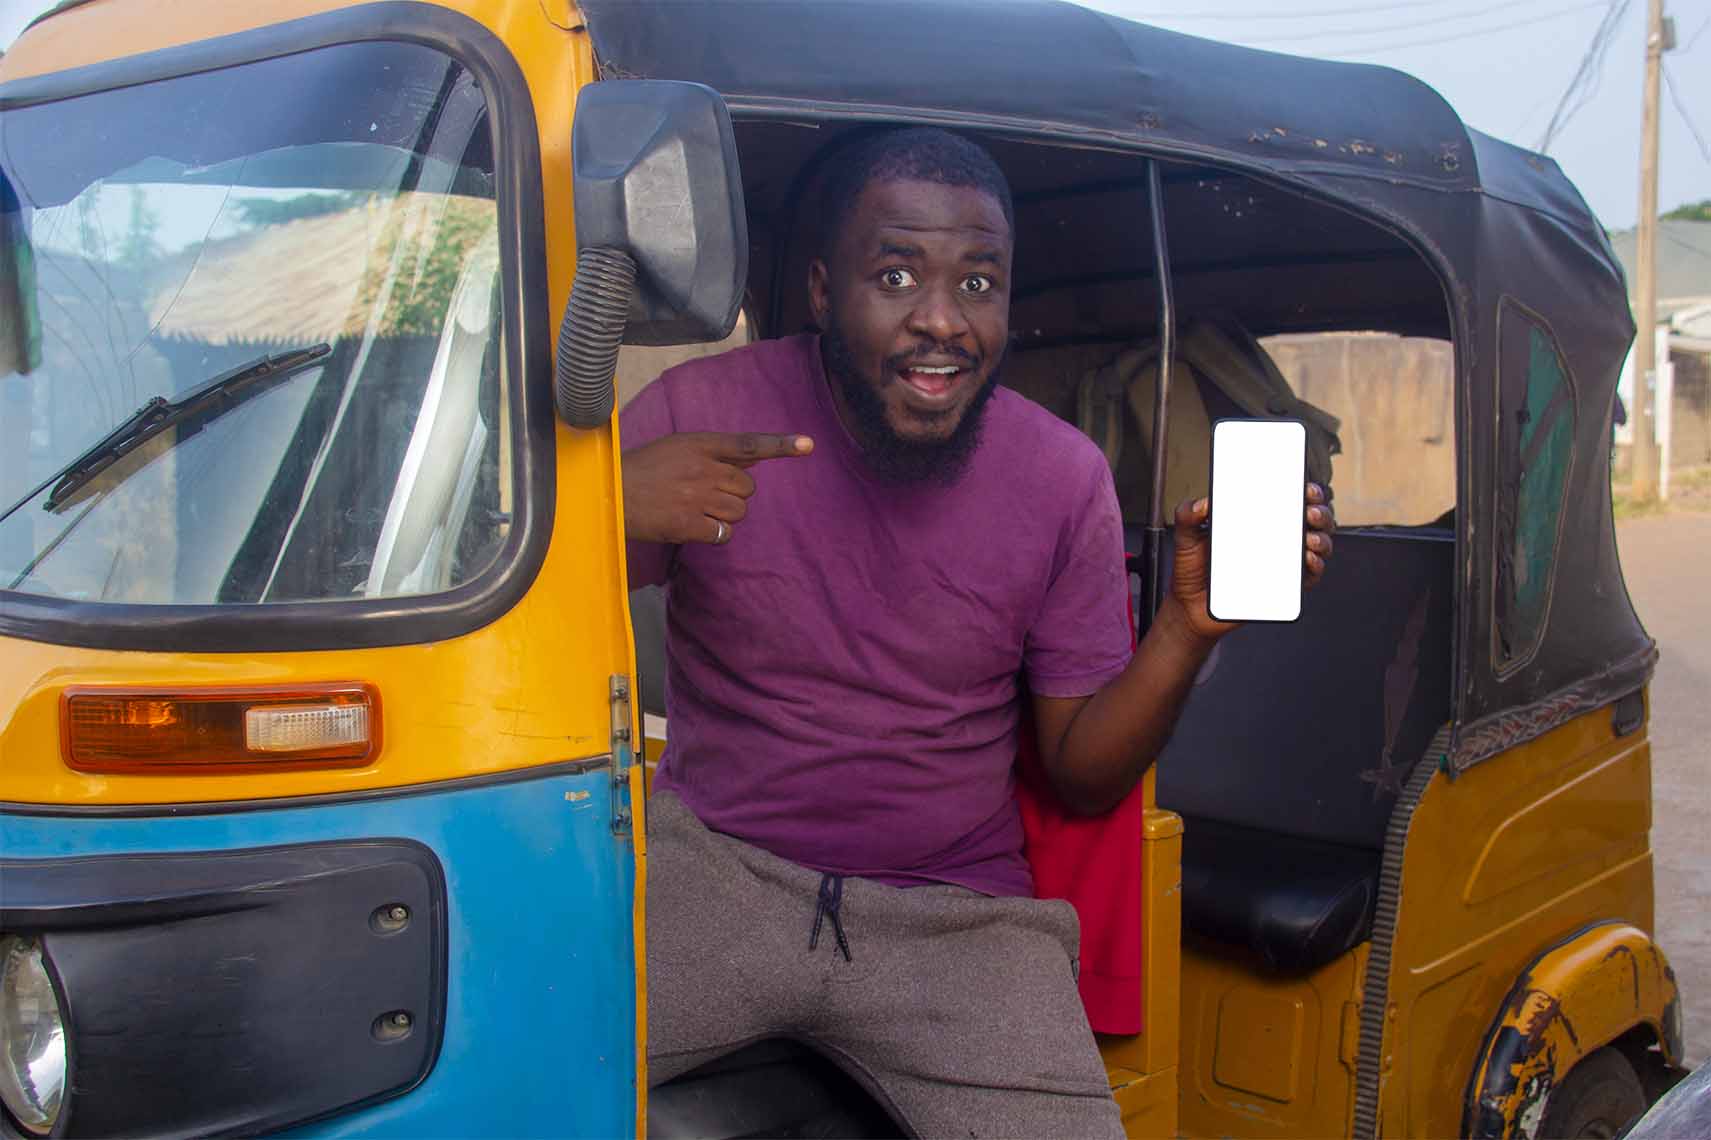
x=1645, y=451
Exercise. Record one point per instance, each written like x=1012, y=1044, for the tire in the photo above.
x=1601, y=1096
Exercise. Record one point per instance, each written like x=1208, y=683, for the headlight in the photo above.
x=32, y=1036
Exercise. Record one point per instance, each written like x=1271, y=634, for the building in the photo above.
x=1684, y=340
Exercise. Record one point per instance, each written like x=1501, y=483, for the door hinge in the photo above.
x=623, y=752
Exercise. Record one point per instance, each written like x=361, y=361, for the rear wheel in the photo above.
x=1599, y=1098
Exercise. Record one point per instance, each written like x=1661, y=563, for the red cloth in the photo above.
x=1095, y=863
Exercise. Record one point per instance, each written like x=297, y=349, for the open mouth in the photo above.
x=935, y=382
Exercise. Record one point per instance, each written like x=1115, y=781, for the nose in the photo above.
x=937, y=315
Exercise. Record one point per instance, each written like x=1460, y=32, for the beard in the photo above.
x=894, y=458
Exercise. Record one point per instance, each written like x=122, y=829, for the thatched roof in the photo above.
x=318, y=278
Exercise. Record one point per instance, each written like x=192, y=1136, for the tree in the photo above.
x=428, y=239
x=139, y=248
x=278, y=211
x=1690, y=212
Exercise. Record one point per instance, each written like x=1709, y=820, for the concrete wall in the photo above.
x=639, y=367
x=1396, y=399
x=1394, y=396
x=1690, y=417
x=1690, y=422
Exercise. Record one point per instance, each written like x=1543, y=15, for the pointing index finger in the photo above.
x=744, y=449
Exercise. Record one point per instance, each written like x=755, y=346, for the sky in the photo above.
x=1504, y=65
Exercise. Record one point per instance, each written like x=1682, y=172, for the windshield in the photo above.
x=334, y=210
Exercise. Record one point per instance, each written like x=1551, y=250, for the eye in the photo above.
x=977, y=283
x=897, y=278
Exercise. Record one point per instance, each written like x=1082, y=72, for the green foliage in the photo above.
x=139, y=248
x=278, y=211
x=1691, y=212
x=421, y=308
x=431, y=252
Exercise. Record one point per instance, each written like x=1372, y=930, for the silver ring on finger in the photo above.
x=723, y=534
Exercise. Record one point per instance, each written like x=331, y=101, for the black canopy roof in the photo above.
x=1501, y=228
x=1044, y=64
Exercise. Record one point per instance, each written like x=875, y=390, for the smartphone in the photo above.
x=1259, y=519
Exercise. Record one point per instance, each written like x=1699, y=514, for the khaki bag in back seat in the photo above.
x=1227, y=360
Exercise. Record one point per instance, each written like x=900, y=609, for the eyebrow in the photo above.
x=898, y=249
x=888, y=248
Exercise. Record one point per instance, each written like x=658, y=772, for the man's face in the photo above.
x=914, y=300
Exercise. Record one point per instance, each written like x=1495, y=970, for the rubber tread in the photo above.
x=1375, y=989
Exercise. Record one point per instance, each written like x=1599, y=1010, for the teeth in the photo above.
x=945, y=370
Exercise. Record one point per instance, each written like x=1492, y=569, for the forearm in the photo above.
x=1117, y=734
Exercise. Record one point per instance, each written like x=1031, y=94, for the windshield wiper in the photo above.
x=190, y=413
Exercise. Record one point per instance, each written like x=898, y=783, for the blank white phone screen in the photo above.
x=1259, y=474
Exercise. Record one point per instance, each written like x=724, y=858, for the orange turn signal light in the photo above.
x=162, y=729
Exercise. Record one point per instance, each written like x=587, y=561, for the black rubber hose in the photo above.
x=591, y=334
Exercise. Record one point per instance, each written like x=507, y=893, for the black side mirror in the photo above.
x=662, y=240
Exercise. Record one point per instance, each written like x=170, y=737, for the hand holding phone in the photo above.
x=1259, y=468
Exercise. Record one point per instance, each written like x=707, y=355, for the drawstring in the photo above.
x=831, y=897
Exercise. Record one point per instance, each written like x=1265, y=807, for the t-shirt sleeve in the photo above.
x=643, y=420
x=1081, y=639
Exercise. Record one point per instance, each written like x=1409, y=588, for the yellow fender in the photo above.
x=1573, y=999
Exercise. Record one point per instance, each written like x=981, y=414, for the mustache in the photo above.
x=927, y=351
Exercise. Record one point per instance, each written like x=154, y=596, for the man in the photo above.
x=857, y=598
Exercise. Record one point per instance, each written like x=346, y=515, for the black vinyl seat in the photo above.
x=1291, y=751
x=776, y=1087
x=1296, y=903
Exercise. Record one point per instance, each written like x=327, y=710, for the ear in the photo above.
x=819, y=290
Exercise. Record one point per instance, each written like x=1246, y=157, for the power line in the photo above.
x=1274, y=14
x=1461, y=14
x=1694, y=38
x=1372, y=49
x=1528, y=117
x=1584, y=84
x=1681, y=109
x=1585, y=80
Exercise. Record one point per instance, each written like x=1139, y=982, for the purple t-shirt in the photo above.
x=844, y=677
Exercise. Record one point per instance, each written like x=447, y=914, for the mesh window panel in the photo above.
x=1535, y=449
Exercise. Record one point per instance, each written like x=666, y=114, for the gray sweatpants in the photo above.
x=961, y=1010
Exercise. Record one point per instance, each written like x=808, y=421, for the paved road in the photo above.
x=1667, y=562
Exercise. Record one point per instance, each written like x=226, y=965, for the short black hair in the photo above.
x=917, y=154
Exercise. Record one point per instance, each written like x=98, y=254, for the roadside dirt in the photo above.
x=1689, y=493
x=1665, y=559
